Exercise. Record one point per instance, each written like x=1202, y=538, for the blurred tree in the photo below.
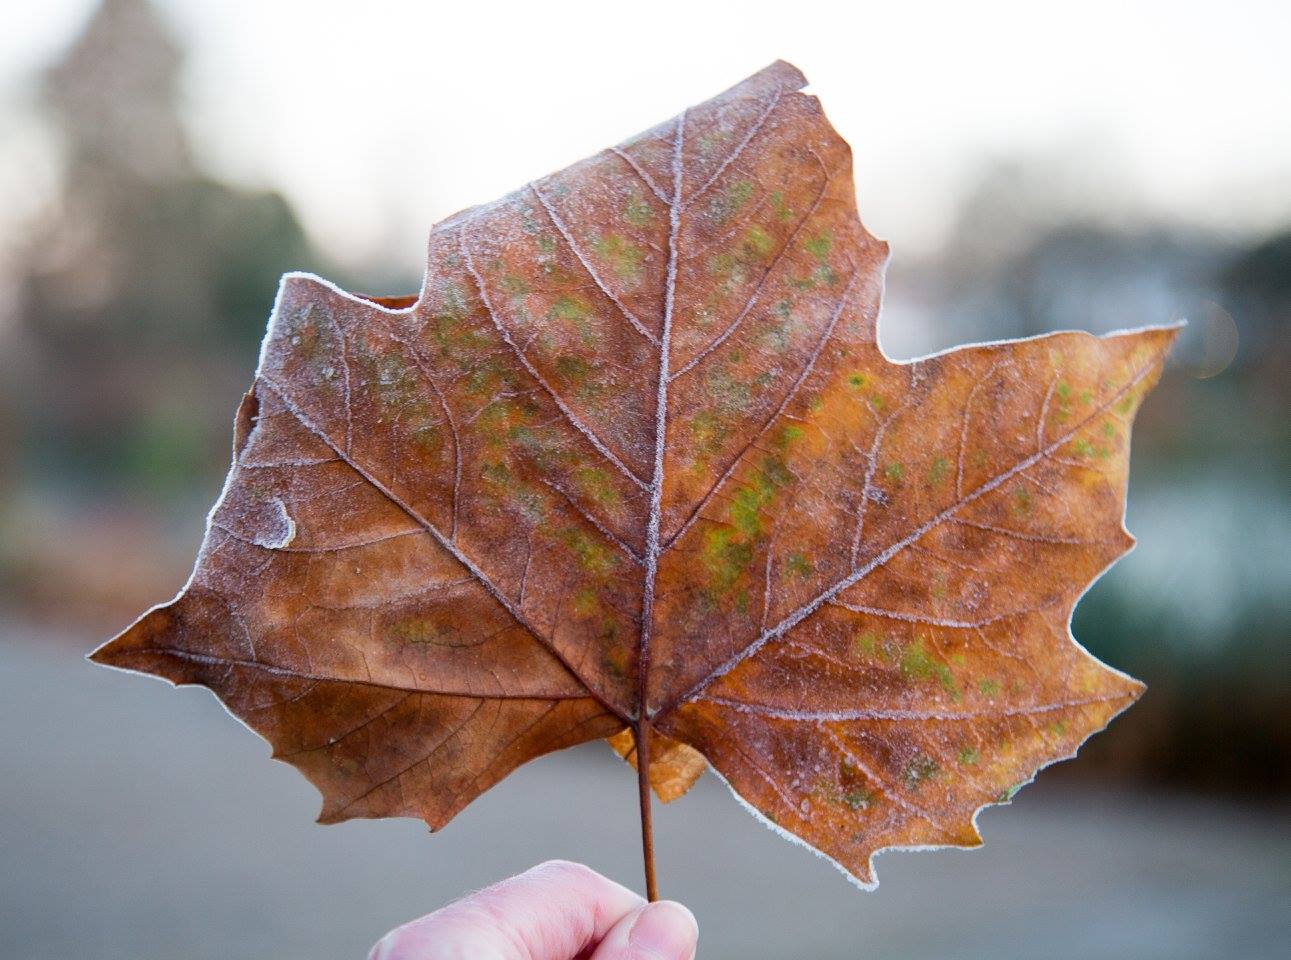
x=1257, y=284
x=144, y=293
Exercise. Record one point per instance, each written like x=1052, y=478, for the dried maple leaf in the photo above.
x=633, y=460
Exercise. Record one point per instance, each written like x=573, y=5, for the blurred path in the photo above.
x=139, y=822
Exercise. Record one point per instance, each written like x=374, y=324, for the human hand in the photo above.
x=555, y=911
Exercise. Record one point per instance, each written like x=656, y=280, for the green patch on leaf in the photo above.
x=592, y=556
x=1022, y=501
x=595, y=483
x=917, y=664
x=819, y=245
x=514, y=286
x=724, y=557
x=865, y=645
x=758, y=242
x=572, y=369
x=787, y=435
x=585, y=602
x=636, y=211
x=421, y=630
x=782, y=212
x=1010, y=793
x=937, y=472
x=857, y=798
x=729, y=202
x=798, y=565
x=919, y=770
x=750, y=499
x=623, y=256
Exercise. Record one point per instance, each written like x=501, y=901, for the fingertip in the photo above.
x=665, y=930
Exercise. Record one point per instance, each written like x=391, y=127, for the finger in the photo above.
x=658, y=931
x=552, y=912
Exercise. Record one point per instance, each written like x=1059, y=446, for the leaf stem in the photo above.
x=641, y=734
x=641, y=729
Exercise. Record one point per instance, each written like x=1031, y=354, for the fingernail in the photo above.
x=664, y=931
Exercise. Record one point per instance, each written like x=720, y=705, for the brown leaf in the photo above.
x=674, y=767
x=634, y=458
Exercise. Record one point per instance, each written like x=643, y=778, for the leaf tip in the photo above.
x=116, y=651
x=100, y=655
x=776, y=78
x=1159, y=337
x=788, y=74
x=1136, y=690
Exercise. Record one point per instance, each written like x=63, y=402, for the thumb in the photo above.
x=657, y=931
x=555, y=911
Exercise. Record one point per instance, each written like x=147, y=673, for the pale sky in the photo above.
x=378, y=118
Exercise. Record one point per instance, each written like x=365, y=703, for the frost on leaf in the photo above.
x=634, y=450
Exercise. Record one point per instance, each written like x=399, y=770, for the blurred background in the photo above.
x=162, y=162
